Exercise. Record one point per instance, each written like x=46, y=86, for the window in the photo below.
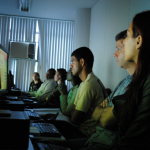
x=36, y=46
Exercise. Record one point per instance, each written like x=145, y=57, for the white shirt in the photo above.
x=46, y=87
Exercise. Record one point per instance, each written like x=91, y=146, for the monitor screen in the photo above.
x=3, y=69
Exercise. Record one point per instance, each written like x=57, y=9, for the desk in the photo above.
x=61, y=138
x=14, y=92
x=47, y=110
x=43, y=111
x=60, y=116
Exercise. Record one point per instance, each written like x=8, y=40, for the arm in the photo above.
x=53, y=95
x=107, y=118
x=77, y=117
x=43, y=92
x=99, y=109
x=82, y=103
x=97, y=112
x=67, y=103
x=33, y=93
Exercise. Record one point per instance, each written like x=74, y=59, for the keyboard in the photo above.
x=9, y=98
x=27, y=100
x=32, y=115
x=46, y=129
x=46, y=146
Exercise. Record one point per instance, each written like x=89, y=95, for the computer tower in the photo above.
x=14, y=130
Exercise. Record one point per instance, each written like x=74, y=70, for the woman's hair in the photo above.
x=63, y=73
x=141, y=26
x=38, y=76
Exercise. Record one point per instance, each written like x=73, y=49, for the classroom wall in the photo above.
x=82, y=28
x=100, y=24
x=109, y=17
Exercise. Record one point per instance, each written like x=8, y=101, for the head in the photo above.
x=60, y=75
x=50, y=73
x=81, y=58
x=75, y=79
x=35, y=76
x=136, y=49
x=137, y=40
x=119, y=53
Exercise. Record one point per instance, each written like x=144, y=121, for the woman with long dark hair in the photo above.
x=36, y=82
x=133, y=108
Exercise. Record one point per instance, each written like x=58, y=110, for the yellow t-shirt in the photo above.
x=90, y=94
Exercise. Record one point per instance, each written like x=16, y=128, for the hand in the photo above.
x=97, y=112
x=104, y=103
x=63, y=90
x=107, y=119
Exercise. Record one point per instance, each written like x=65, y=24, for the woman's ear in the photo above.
x=139, y=41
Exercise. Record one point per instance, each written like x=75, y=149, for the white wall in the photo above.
x=54, y=9
x=108, y=18
x=82, y=28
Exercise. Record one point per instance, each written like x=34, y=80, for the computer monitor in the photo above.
x=3, y=70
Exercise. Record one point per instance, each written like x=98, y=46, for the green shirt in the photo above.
x=102, y=136
x=67, y=102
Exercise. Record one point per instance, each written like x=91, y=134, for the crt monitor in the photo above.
x=3, y=70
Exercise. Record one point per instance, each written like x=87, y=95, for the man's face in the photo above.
x=119, y=54
x=75, y=66
x=48, y=75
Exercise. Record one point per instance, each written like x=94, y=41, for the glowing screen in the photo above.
x=3, y=70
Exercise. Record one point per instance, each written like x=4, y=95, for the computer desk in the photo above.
x=42, y=111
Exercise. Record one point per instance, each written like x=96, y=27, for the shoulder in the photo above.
x=51, y=81
x=76, y=87
x=94, y=82
x=146, y=82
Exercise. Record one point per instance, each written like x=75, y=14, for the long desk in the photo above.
x=42, y=111
x=46, y=110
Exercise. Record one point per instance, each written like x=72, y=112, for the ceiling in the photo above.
x=54, y=9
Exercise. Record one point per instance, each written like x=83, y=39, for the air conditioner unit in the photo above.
x=22, y=50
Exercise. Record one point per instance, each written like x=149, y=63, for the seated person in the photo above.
x=106, y=130
x=46, y=87
x=36, y=82
x=53, y=96
x=91, y=91
x=67, y=101
x=105, y=133
x=132, y=109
